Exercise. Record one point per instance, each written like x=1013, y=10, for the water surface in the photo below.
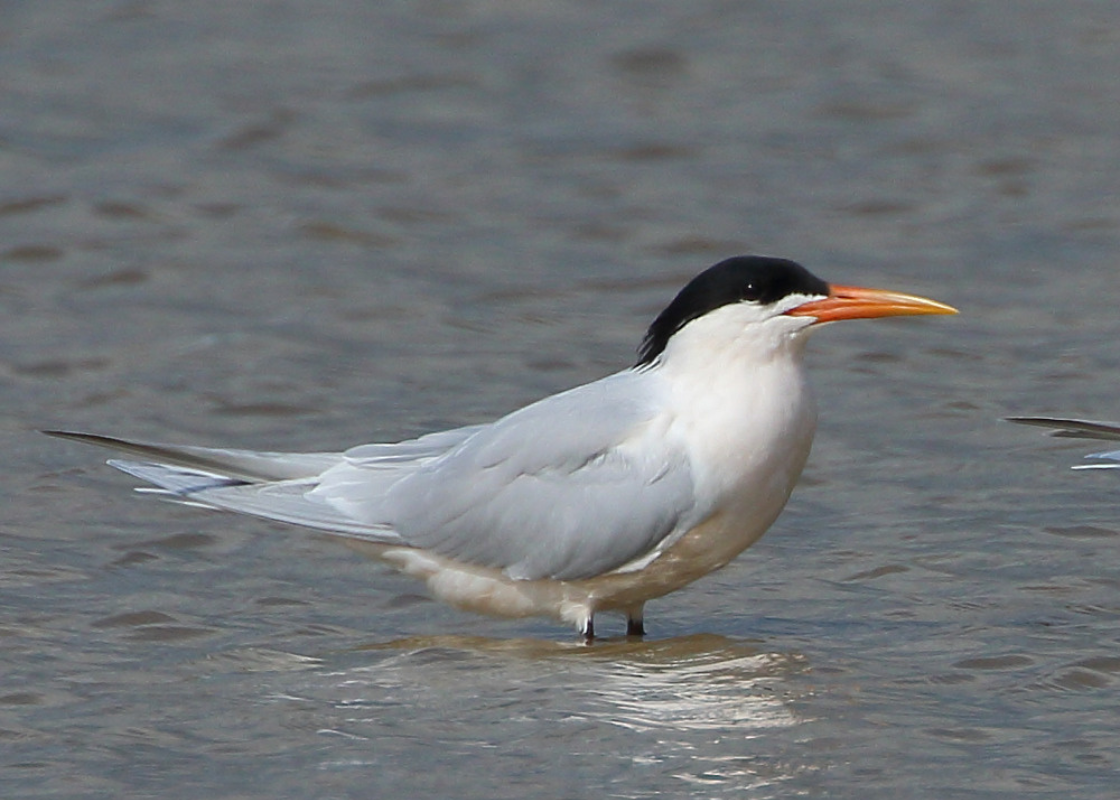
x=275, y=226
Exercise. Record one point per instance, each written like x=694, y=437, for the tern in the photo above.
x=595, y=499
x=1080, y=429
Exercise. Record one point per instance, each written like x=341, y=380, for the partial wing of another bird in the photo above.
x=1080, y=429
x=1073, y=428
x=1112, y=456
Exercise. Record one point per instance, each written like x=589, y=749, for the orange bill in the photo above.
x=856, y=302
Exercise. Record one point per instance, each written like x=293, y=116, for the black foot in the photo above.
x=635, y=627
x=588, y=631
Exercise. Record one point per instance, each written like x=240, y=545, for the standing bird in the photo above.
x=1080, y=429
x=595, y=499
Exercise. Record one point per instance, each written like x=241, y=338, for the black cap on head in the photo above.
x=758, y=279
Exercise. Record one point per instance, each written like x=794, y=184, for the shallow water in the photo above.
x=288, y=227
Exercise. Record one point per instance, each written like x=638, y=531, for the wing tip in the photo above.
x=1069, y=428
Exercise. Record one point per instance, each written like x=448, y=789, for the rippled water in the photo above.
x=271, y=225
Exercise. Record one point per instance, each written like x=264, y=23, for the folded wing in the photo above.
x=570, y=487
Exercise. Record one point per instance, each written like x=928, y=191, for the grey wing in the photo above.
x=570, y=487
x=428, y=446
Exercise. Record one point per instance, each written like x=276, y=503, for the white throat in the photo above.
x=744, y=409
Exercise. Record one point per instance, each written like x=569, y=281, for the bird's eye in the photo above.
x=751, y=292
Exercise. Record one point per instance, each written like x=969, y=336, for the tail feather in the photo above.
x=178, y=481
x=282, y=501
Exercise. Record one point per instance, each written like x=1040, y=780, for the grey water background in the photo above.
x=305, y=226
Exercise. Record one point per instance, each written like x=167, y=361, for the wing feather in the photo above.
x=575, y=485
x=248, y=465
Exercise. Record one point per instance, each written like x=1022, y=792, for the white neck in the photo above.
x=743, y=408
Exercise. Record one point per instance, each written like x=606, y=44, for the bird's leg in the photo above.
x=587, y=629
x=635, y=624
